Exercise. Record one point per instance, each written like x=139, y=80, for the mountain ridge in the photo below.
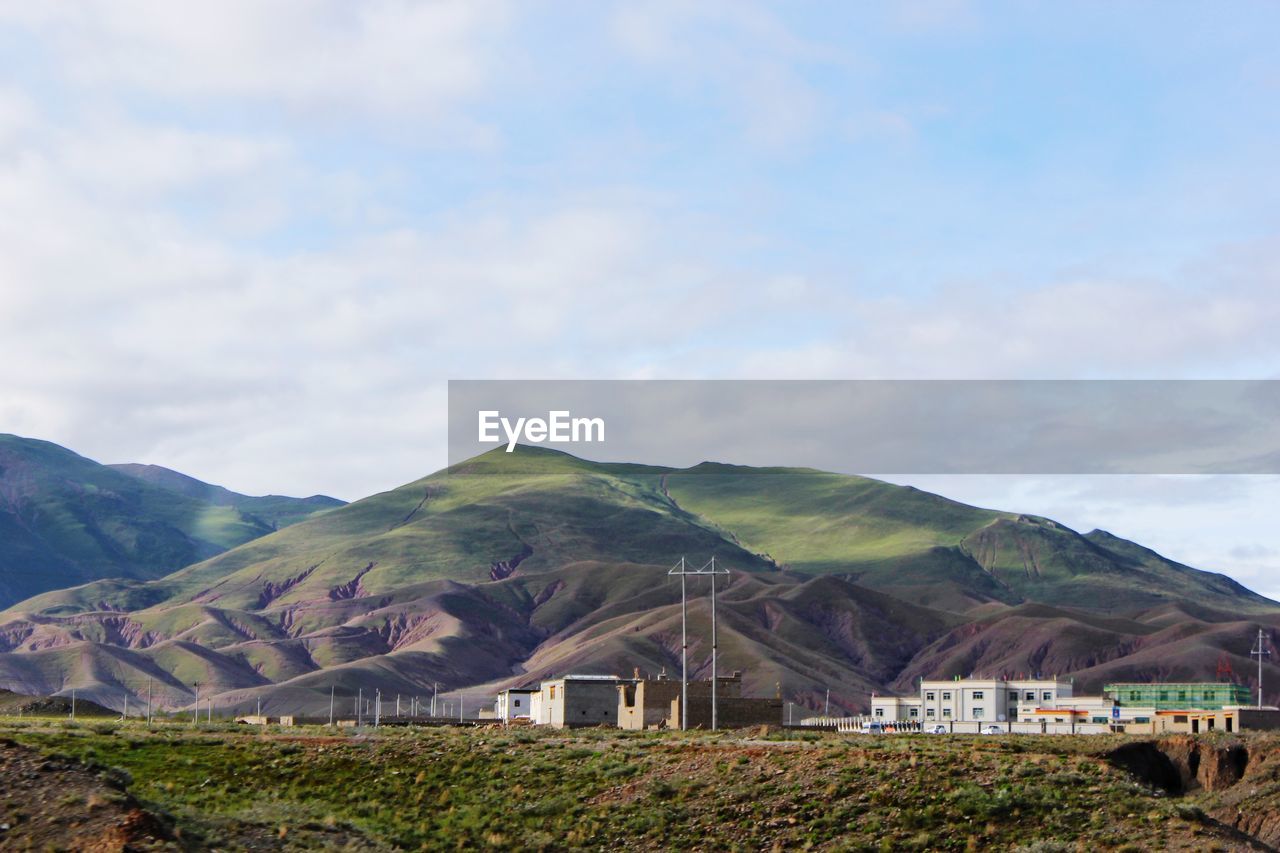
x=66, y=519
x=508, y=568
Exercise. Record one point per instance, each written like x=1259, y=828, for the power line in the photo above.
x=681, y=568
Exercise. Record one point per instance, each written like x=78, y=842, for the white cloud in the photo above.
x=389, y=56
x=745, y=53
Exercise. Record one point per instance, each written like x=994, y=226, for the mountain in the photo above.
x=66, y=520
x=276, y=510
x=512, y=567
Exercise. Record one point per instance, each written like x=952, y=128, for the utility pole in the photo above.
x=435, y=688
x=73, y=704
x=1260, y=652
x=195, y=718
x=330, y=704
x=826, y=711
x=148, y=701
x=462, y=701
x=397, y=706
x=683, y=571
x=125, y=716
x=359, y=706
x=715, y=720
x=679, y=569
x=258, y=707
x=377, y=707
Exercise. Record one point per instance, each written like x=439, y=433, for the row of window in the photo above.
x=1209, y=695
x=978, y=695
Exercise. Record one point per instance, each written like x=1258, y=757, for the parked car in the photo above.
x=875, y=728
x=938, y=730
x=992, y=730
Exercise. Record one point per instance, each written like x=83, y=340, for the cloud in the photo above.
x=382, y=56
x=1211, y=320
x=754, y=62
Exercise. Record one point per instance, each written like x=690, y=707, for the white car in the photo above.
x=992, y=730
x=938, y=730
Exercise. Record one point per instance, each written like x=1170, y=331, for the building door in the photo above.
x=1195, y=726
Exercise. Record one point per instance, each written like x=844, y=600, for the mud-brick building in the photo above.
x=578, y=700
x=653, y=703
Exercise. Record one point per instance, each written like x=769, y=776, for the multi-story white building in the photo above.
x=991, y=700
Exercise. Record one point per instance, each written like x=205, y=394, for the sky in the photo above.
x=252, y=241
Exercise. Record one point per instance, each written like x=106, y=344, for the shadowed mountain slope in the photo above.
x=512, y=567
x=65, y=520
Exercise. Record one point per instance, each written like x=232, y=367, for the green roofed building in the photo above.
x=1174, y=695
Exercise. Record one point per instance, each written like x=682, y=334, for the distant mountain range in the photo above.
x=66, y=520
x=511, y=567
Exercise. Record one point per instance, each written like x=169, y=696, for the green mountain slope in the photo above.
x=935, y=551
x=512, y=567
x=65, y=520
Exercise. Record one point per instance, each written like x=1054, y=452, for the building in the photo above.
x=578, y=700
x=1170, y=696
x=515, y=704
x=989, y=700
x=895, y=709
x=655, y=703
x=1232, y=718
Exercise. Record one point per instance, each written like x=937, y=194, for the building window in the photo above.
x=553, y=691
x=946, y=697
x=914, y=712
x=1164, y=695
x=1182, y=695
x=1047, y=696
x=1031, y=696
x=977, y=713
x=516, y=703
x=1134, y=696
x=1179, y=718
x=946, y=712
x=929, y=696
x=879, y=712
x=978, y=695
x=929, y=713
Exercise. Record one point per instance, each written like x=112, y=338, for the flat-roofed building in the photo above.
x=515, y=703
x=649, y=703
x=579, y=700
x=970, y=700
x=986, y=700
x=895, y=709
x=1170, y=696
x=1229, y=719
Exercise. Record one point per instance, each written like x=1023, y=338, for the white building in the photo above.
x=516, y=704
x=979, y=700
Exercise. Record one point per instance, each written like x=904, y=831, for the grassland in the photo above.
x=525, y=789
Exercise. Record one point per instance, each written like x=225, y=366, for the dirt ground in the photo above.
x=50, y=803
